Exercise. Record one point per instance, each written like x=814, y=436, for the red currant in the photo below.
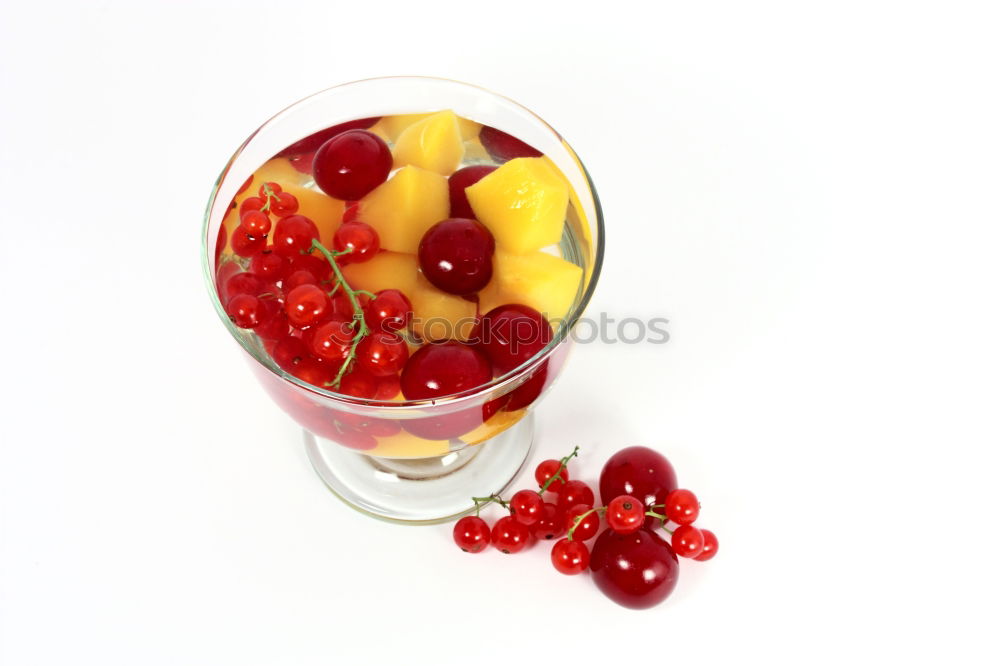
x=350, y=213
x=552, y=523
x=458, y=181
x=294, y=234
x=389, y=311
x=255, y=223
x=388, y=387
x=382, y=354
x=359, y=384
x=710, y=546
x=275, y=322
x=546, y=470
x=297, y=279
x=244, y=283
x=471, y=534
x=314, y=371
x=269, y=265
x=503, y=147
x=575, y=492
x=288, y=352
x=586, y=522
x=527, y=507
x=249, y=204
x=309, y=262
x=687, y=541
x=681, y=506
x=263, y=190
x=351, y=164
x=306, y=305
x=625, y=514
x=510, y=536
x=360, y=239
x=570, y=557
x=284, y=204
x=245, y=185
x=245, y=245
x=331, y=340
x=512, y=334
x=246, y=311
x=456, y=255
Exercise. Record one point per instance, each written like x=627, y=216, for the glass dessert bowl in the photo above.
x=403, y=259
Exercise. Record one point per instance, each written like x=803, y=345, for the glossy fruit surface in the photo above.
x=682, y=506
x=552, y=523
x=294, y=235
x=255, y=223
x=245, y=311
x=389, y=311
x=312, y=142
x=546, y=470
x=351, y=164
x=640, y=472
x=637, y=570
x=441, y=369
x=471, y=534
x=358, y=384
x=246, y=245
x=457, y=182
x=583, y=522
x=510, y=536
x=358, y=238
x=570, y=557
x=269, y=265
x=456, y=255
x=306, y=305
x=710, y=547
x=687, y=541
x=331, y=340
x=502, y=146
x=511, y=334
x=575, y=492
x=527, y=507
x=625, y=514
x=382, y=354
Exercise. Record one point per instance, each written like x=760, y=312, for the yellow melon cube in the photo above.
x=405, y=206
x=386, y=270
x=390, y=127
x=405, y=445
x=523, y=203
x=434, y=143
x=279, y=170
x=539, y=280
x=440, y=316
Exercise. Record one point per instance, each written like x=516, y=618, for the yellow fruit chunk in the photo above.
x=496, y=425
x=539, y=280
x=440, y=316
x=434, y=143
x=386, y=270
x=279, y=170
x=390, y=127
x=325, y=211
x=405, y=206
x=523, y=203
x=405, y=445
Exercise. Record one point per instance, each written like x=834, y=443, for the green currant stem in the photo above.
x=359, y=313
x=269, y=195
x=483, y=501
x=579, y=519
x=663, y=519
x=558, y=475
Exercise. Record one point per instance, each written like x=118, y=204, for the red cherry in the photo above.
x=471, y=534
x=640, y=472
x=269, y=265
x=294, y=235
x=441, y=369
x=526, y=394
x=246, y=311
x=681, y=506
x=245, y=245
x=710, y=546
x=303, y=163
x=331, y=340
x=284, y=204
x=687, y=541
x=625, y=514
x=458, y=181
x=351, y=164
x=510, y=536
x=546, y=470
x=255, y=223
x=389, y=311
x=527, y=507
x=637, y=570
x=456, y=255
x=306, y=305
x=583, y=522
x=570, y=557
x=360, y=238
x=575, y=492
x=503, y=147
x=310, y=143
x=511, y=335
x=382, y=354
x=552, y=523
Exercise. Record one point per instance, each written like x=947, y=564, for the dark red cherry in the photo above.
x=351, y=164
x=512, y=334
x=456, y=255
x=502, y=146
x=312, y=142
x=637, y=570
x=458, y=181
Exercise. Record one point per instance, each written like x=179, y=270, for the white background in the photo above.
x=808, y=191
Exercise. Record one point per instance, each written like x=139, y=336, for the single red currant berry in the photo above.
x=306, y=305
x=297, y=279
x=309, y=262
x=682, y=507
x=294, y=235
x=331, y=340
x=315, y=372
x=245, y=311
x=388, y=387
x=358, y=384
x=274, y=188
x=389, y=311
x=284, y=204
x=575, y=492
x=275, y=322
x=582, y=523
x=251, y=203
x=625, y=514
x=552, y=523
x=360, y=240
x=255, y=223
x=351, y=164
x=246, y=245
x=710, y=546
x=269, y=265
x=244, y=283
x=245, y=185
x=526, y=507
x=288, y=352
x=546, y=470
x=510, y=536
x=471, y=534
x=382, y=354
x=570, y=557
x=350, y=212
x=687, y=541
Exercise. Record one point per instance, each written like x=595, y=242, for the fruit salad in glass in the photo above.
x=403, y=260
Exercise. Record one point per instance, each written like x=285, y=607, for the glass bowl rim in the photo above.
x=497, y=383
